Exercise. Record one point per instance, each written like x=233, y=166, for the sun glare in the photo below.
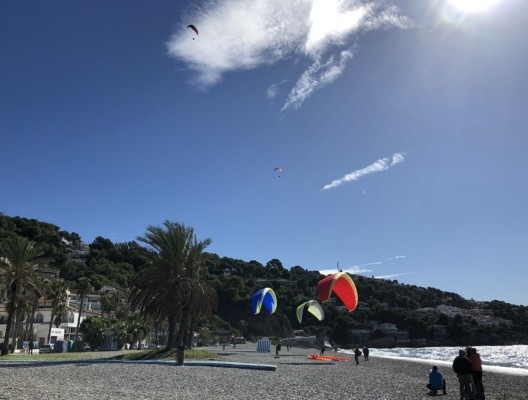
x=472, y=5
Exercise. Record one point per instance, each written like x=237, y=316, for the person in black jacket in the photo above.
x=462, y=367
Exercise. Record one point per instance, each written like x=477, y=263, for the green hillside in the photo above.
x=414, y=310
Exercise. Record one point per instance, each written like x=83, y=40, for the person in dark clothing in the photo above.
x=365, y=353
x=31, y=346
x=277, y=349
x=321, y=353
x=357, y=354
x=462, y=367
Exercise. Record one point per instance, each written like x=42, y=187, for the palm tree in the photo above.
x=169, y=287
x=19, y=258
x=61, y=312
x=58, y=291
x=83, y=287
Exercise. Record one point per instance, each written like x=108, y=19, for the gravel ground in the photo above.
x=296, y=377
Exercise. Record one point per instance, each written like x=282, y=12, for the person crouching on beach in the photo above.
x=436, y=382
x=462, y=367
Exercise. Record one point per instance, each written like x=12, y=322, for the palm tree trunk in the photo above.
x=51, y=323
x=190, y=333
x=10, y=314
x=172, y=332
x=184, y=322
x=19, y=325
x=29, y=318
x=79, y=319
x=36, y=309
x=181, y=332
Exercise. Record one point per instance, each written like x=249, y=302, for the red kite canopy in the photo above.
x=342, y=285
x=193, y=28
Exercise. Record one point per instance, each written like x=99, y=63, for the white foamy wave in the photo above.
x=502, y=359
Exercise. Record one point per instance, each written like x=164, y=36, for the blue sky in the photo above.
x=400, y=128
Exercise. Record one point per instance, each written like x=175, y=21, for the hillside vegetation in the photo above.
x=108, y=264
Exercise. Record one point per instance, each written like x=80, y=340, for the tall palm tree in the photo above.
x=83, y=287
x=58, y=291
x=19, y=258
x=169, y=285
x=202, y=300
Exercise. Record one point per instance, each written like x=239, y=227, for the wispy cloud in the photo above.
x=395, y=258
x=273, y=89
x=393, y=275
x=355, y=270
x=239, y=35
x=382, y=164
x=315, y=77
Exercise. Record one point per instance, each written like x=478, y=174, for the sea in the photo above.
x=503, y=359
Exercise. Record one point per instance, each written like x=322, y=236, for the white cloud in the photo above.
x=273, y=90
x=239, y=35
x=393, y=275
x=315, y=77
x=352, y=270
x=382, y=164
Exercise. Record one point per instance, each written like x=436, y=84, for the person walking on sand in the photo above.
x=365, y=353
x=462, y=367
x=321, y=353
x=357, y=354
x=476, y=371
x=436, y=382
x=277, y=349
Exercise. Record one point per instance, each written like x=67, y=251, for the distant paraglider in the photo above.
x=194, y=28
x=313, y=307
x=263, y=297
x=342, y=285
x=278, y=170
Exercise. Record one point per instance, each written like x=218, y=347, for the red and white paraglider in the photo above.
x=340, y=284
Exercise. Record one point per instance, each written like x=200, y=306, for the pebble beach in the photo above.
x=296, y=377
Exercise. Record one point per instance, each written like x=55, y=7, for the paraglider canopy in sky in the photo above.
x=278, y=170
x=313, y=307
x=194, y=28
x=342, y=285
x=263, y=297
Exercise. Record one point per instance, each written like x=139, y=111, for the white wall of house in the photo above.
x=41, y=327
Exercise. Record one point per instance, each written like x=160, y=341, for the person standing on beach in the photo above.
x=462, y=367
x=436, y=382
x=476, y=371
x=365, y=353
x=277, y=349
x=357, y=354
x=321, y=353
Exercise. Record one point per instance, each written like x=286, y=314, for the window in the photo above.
x=38, y=318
